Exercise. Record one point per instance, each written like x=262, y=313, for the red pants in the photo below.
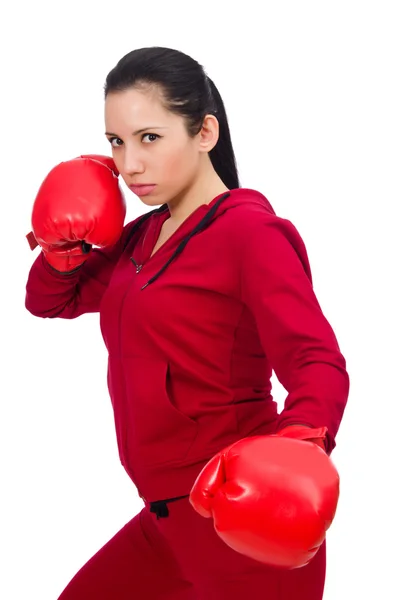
x=180, y=557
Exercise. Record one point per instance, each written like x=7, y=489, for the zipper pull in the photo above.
x=138, y=267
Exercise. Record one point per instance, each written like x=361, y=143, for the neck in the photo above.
x=203, y=190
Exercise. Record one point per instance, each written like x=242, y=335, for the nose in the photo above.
x=132, y=163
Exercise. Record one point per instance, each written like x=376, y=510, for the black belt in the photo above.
x=160, y=508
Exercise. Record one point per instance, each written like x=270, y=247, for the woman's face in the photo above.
x=150, y=145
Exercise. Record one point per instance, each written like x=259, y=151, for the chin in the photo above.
x=151, y=202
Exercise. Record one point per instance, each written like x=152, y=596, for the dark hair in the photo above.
x=186, y=90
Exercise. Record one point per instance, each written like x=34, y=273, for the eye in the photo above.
x=152, y=135
x=113, y=139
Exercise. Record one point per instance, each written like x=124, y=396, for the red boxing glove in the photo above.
x=271, y=497
x=79, y=204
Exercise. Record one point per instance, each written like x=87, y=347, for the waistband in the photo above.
x=160, y=508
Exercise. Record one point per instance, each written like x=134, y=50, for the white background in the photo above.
x=310, y=90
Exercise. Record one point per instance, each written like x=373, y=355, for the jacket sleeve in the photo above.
x=51, y=294
x=276, y=285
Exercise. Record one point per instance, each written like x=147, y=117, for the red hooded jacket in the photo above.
x=194, y=332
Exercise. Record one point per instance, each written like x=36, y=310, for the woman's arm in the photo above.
x=51, y=294
x=276, y=285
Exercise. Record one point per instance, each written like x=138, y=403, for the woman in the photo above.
x=199, y=300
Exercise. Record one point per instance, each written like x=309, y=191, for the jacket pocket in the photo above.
x=157, y=432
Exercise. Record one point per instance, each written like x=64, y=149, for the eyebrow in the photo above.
x=138, y=130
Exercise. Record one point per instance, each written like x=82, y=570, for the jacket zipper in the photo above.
x=124, y=411
x=137, y=267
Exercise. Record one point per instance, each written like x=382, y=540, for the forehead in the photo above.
x=133, y=109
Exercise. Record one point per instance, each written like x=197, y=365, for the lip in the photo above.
x=142, y=189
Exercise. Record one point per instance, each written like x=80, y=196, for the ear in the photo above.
x=209, y=133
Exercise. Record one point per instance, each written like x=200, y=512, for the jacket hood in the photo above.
x=201, y=218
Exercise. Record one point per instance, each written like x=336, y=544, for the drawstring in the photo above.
x=140, y=221
x=199, y=227
x=160, y=508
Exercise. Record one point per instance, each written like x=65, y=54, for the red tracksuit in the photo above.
x=193, y=333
